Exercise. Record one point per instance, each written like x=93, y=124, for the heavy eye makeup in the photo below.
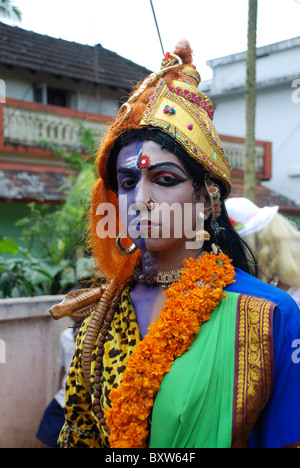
x=127, y=178
x=167, y=179
x=167, y=174
x=163, y=174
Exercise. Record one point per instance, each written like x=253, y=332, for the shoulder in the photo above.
x=285, y=304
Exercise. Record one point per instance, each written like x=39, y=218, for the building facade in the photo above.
x=277, y=108
x=49, y=88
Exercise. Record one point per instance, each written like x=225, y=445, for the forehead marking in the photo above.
x=144, y=161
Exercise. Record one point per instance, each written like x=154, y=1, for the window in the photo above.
x=53, y=96
x=40, y=94
x=57, y=97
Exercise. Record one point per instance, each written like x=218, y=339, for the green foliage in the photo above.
x=55, y=257
x=8, y=246
x=294, y=219
x=27, y=276
x=9, y=11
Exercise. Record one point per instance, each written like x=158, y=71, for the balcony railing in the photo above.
x=28, y=126
x=235, y=148
x=236, y=152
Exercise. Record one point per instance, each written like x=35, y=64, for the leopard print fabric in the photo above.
x=82, y=428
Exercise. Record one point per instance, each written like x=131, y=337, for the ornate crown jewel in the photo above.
x=186, y=113
x=190, y=122
x=179, y=108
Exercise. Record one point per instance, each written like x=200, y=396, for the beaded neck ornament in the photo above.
x=163, y=278
x=153, y=278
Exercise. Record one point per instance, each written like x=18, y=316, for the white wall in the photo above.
x=29, y=376
x=274, y=62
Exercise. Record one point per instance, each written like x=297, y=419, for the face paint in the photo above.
x=128, y=177
x=147, y=172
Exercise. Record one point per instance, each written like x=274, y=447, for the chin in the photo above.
x=160, y=244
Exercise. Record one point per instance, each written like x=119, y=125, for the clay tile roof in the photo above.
x=26, y=185
x=40, y=53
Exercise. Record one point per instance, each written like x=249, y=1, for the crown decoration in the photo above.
x=190, y=75
x=173, y=61
x=186, y=113
x=179, y=108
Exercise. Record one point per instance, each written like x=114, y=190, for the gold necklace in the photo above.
x=166, y=278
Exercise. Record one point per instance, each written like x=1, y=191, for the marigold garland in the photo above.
x=190, y=301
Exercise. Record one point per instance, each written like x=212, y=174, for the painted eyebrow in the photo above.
x=125, y=170
x=164, y=164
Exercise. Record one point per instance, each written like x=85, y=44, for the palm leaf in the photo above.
x=9, y=11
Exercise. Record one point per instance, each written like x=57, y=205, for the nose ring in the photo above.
x=151, y=204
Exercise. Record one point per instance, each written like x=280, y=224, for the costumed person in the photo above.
x=274, y=240
x=183, y=346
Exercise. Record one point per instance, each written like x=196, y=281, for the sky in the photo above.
x=214, y=28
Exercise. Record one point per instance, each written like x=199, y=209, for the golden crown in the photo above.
x=179, y=108
x=186, y=113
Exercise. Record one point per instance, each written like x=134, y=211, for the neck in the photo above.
x=166, y=260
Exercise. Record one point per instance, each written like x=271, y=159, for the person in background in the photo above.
x=53, y=418
x=274, y=240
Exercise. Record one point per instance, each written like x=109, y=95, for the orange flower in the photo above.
x=189, y=303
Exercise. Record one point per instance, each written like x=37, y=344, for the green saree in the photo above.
x=214, y=393
x=194, y=405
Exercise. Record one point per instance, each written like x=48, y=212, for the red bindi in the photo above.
x=144, y=161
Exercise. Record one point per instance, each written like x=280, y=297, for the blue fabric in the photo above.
x=279, y=423
x=51, y=424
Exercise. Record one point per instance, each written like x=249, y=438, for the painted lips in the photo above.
x=146, y=225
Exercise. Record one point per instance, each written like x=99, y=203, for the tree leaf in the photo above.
x=8, y=246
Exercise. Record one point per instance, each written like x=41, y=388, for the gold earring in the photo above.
x=124, y=250
x=202, y=235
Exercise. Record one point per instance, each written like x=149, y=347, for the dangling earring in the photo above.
x=124, y=250
x=202, y=235
x=214, y=193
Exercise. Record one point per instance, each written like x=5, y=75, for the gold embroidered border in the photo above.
x=253, y=364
